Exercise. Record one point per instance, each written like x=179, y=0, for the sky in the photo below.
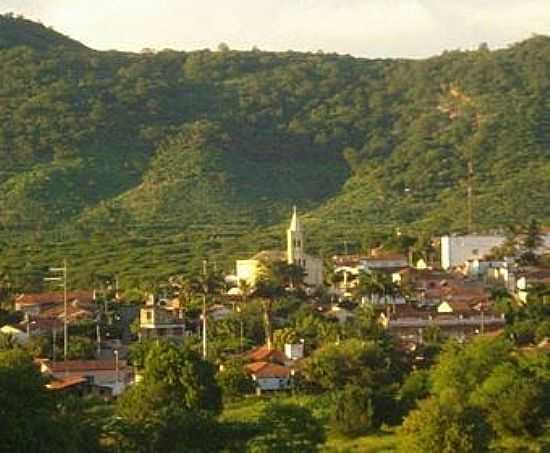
x=363, y=28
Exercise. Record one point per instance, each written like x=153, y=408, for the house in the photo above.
x=384, y=261
x=110, y=375
x=251, y=269
x=456, y=307
x=526, y=279
x=74, y=385
x=340, y=314
x=409, y=325
x=76, y=311
x=156, y=321
x=18, y=334
x=34, y=304
x=294, y=351
x=269, y=376
x=264, y=354
x=477, y=267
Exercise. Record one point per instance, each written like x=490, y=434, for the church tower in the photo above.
x=295, y=242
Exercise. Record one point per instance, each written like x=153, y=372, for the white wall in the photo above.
x=456, y=250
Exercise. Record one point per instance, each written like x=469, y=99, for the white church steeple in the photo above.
x=295, y=241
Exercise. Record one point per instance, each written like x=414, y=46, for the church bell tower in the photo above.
x=295, y=242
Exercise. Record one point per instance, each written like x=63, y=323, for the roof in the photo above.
x=62, y=384
x=267, y=370
x=84, y=365
x=262, y=354
x=347, y=260
x=539, y=274
x=386, y=257
x=73, y=312
x=54, y=297
x=458, y=306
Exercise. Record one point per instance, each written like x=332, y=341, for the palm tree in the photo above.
x=209, y=283
x=370, y=284
x=269, y=286
x=183, y=288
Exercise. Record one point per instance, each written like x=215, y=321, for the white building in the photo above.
x=456, y=250
x=249, y=270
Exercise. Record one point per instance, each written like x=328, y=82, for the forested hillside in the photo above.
x=143, y=164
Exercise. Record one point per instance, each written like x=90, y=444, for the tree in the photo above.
x=288, y=335
x=378, y=284
x=30, y=419
x=80, y=348
x=435, y=426
x=287, y=427
x=173, y=407
x=269, y=286
x=532, y=241
x=462, y=368
x=415, y=388
x=512, y=401
x=353, y=411
x=233, y=380
x=353, y=361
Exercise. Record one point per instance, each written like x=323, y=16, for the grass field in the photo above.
x=249, y=409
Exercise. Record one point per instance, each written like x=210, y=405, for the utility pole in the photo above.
x=204, y=290
x=62, y=278
x=470, y=192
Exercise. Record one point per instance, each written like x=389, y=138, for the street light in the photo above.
x=241, y=323
x=62, y=277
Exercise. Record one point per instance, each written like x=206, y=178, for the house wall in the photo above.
x=383, y=264
x=100, y=377
x=273, y=383
x=247, y=270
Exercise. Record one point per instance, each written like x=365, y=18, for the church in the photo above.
x=249, y=270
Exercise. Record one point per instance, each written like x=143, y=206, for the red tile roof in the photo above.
x=62, y=384
x=84, y=365
x=54, y=297
x=72, y=312
x=267, y=370
x=262, y=354
x=459, y=306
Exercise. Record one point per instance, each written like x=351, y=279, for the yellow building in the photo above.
x=249, y=270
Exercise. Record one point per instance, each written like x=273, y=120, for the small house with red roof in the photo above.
x=35, y=304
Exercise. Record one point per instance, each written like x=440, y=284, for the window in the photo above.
x=149, y=316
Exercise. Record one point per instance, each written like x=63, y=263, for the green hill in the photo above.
x=18, y=31
x=143, y=164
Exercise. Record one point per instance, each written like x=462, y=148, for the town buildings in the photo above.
x=250, y=270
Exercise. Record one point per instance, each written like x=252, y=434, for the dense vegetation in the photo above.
x=143, y=164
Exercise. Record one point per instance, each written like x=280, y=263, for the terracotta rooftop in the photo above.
x=262, y=354
x=73, y=312
x=459, y=306
x=267, y=370
x=83, y=365
x=54, y=297
x=62, y=384
x=387, y=257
